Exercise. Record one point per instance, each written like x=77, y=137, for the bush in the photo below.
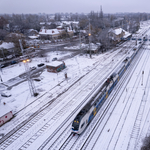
x=146, y=144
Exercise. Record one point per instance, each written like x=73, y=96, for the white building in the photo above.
x=5, y=113
x=54, y=33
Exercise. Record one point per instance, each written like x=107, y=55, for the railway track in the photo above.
x=83, y=144
x=24, y=127
x=59, y=141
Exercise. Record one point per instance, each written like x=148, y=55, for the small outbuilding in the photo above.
x=5, y=113
x=55, y=66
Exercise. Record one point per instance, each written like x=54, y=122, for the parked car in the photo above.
x=54, y=59
x=13, y=62
x=6, y=94
x=5, y=65
x=32, y=68
x=40, y=65
x=36, y=79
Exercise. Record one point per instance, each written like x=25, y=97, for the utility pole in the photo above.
x=90, y=39
x=80, y=41
x=30, y=81
x=21, y=46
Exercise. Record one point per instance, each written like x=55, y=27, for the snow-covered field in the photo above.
x=118, y=132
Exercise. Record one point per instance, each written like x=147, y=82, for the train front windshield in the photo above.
x=75, y=125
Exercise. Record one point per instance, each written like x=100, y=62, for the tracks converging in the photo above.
x=56, y=136
x=27, y=124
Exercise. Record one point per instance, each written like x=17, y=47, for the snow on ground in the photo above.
x=76, y=66
x=21, y=95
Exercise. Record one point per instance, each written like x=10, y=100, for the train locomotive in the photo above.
x=88, y=112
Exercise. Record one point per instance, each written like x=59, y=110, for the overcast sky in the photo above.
x=85, y=6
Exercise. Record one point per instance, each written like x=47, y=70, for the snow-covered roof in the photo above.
x=4, y=109
x=7, y=45
x=55, y=63
x=33, y=37
x=93, y=46
x=126, y=34
x=49, y=31
x=116, y=31
x=66, y=22
x=75, y=22
x=42, y=23
x=83, y=31
x=60, y=27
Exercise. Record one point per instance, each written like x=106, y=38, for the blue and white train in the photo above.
x=88, y=112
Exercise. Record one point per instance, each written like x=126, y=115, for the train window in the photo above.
x=82, y=125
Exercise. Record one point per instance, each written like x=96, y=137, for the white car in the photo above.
x=6, y=94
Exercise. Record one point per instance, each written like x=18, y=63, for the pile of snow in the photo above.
x=7, y=45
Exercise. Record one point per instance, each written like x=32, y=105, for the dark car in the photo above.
x=5, y=65
x=40, y=65
x=54, y=59
x=13, y=62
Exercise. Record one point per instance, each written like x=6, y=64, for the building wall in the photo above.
x=55, y=69
x=5, y=118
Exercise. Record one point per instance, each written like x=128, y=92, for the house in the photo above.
x=60, y=28
x=116, y=34
x=55, y=66
x=70, y=31
x=5, y=113
x=93, y=48
x=51, y=33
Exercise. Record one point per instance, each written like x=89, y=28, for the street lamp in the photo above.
x=89, y=38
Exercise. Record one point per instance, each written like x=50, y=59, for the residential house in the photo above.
x=51, y=33
x=116, y=35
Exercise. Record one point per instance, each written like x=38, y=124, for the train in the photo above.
x=88, y=112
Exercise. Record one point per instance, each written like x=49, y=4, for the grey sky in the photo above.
x=53, y=6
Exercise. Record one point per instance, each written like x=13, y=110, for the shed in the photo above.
x=55, y=66
x=5, y=113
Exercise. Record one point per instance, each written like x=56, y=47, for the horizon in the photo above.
x=82, y=6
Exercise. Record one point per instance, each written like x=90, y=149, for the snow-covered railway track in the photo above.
x=50, y=138
x=136, y=128
x=128, y=104
x=93, y=128
x=26, y=125
x=115, y=130
x=69, y=142
x=67, y=145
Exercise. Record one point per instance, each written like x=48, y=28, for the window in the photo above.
x=82, y=125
